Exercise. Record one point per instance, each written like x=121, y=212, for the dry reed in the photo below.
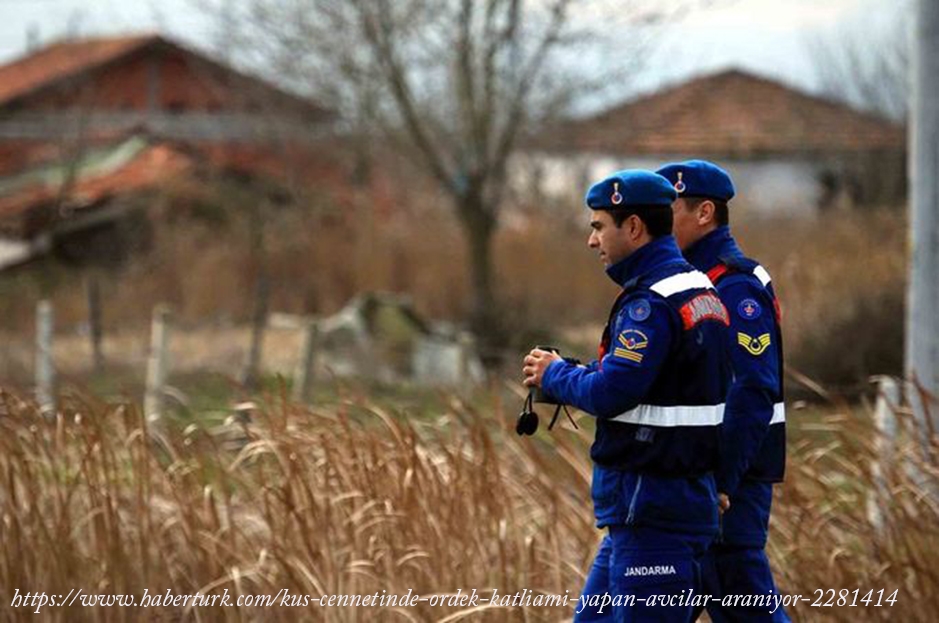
x=351, y=499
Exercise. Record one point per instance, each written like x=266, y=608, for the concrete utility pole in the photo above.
x=922, y=335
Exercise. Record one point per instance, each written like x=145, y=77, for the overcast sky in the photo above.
x=770, y=37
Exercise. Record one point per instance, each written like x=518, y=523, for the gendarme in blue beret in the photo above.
x=629, y=189
x=699, y=178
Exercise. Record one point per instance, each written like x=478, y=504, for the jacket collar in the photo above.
x=645, y=259
x=710, y=250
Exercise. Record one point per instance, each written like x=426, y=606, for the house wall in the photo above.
x=796, y=186
x=156, y=79
x=169, y=92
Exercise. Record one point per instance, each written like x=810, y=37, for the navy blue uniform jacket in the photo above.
x=657, y=391
x=754, y=434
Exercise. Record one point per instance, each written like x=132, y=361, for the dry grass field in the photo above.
x=352, y=498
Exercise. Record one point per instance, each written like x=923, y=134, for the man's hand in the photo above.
x=536, y=362
x=723, y=503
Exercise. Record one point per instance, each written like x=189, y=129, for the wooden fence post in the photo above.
x=885, y=423
x=94, y=322
x=251, y=374
x=303, y=377
x=45, y=368
x=157, y=363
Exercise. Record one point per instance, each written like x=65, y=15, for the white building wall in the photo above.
x=764, y=187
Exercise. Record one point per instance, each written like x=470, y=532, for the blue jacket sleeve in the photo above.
x=753, y=349
x=623, y=377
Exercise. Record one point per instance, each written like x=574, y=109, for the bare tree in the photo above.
x=866, y=65
x=457, y=84
x=869, y=66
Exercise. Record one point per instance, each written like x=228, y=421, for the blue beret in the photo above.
x=699, y=178
x=630, y=188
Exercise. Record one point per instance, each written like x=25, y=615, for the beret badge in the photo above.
x=680, y=185
x=616, y=198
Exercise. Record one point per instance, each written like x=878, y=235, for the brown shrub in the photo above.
x=839, y=276
x=841, y=279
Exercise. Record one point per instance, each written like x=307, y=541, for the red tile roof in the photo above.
x=732, y=113
x=157, y=163
x=67, y=59
x=61, y=60
x=150, y=168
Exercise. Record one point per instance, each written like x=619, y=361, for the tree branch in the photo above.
x=378, y=30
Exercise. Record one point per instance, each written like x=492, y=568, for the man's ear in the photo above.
x=636, y=227
x=706, y=212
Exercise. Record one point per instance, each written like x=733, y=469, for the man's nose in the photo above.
x=592, y=240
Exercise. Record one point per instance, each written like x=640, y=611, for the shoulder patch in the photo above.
x=749, y=309
x=705, y=306
x=630, y=344
x=754, y=345
x=639, y=310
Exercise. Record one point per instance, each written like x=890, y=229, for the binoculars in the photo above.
x=527, y=422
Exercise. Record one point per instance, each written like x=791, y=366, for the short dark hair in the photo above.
x=657, y=219
x=721, y=213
